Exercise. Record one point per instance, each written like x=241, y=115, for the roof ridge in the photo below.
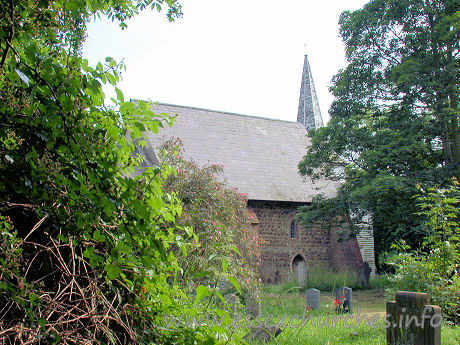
x=222, y=112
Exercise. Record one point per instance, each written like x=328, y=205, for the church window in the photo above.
x=293, y=229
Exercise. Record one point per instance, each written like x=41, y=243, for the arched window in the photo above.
x=293, y=229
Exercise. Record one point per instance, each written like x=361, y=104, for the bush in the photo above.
x=84, y=246
x=432, y=273
x=219, y=218
x=432, y=268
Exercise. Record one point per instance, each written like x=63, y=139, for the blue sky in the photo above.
x=237, y=56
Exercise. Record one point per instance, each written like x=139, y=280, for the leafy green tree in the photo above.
x=219, y=217
x=394, y=120
x=85, y=247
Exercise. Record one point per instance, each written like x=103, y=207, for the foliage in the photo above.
x=433, y=270
x=85, y=255
x=220, y=221
x=440, y=207
x=394, y=120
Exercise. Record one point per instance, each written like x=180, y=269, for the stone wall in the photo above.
x=345, y=251
x=317, y=245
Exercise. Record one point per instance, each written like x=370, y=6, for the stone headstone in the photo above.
x=262, y=334
x=413, y=320
x=233, y=302
x=364, y=272
x=313, y=298
x=344, y=295
x=253, y=307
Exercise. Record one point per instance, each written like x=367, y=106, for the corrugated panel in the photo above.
x=366, y=244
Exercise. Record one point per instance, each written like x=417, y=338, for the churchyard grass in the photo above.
x=369, y=301
x=290, y=303
x=328, y=281
x=339, y=335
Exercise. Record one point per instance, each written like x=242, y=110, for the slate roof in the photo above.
x=259, y=155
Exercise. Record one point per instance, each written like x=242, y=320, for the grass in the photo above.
x=327, y=280
x=291, y=302
x=287, y=301
x=362, y=335
x=370, y=301
x=310, y=335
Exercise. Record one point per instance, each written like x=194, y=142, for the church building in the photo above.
x=260, y=158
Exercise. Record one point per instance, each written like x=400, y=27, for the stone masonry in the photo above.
x=317, y=245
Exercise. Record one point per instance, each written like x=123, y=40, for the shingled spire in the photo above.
x=309, y=113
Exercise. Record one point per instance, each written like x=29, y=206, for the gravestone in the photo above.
x=253, y=307
x=343, y=295
x=313, y=298
x=364, y=272
x=413, y=320
x=233, y=302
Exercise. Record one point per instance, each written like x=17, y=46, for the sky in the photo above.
x=237, y=56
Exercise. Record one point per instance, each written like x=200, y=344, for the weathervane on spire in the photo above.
x=305, y=48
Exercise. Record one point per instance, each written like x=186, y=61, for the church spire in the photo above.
x=309, y=113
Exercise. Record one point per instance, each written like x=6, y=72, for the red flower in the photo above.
x=336, y=302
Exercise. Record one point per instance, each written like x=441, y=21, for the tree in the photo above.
x=219, y=217
x=85, y=246
x=394, y=120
